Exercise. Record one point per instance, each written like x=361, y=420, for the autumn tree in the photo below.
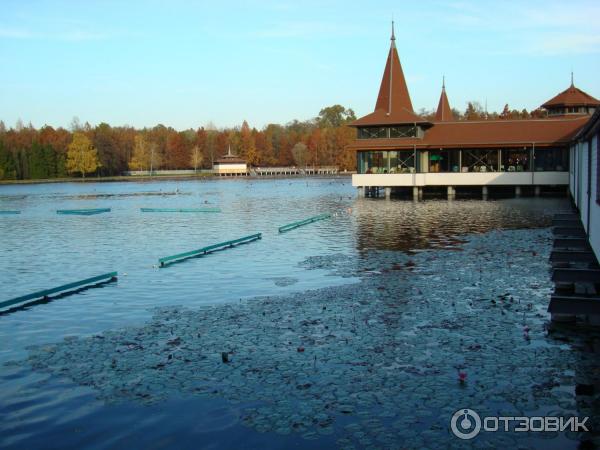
x=474, y=111
x=82, y=157
x=178, y=154
x=248, y=144
x=140, y=160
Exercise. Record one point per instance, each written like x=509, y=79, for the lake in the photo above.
x=40, y=249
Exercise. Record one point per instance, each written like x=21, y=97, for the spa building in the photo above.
x=399, y=151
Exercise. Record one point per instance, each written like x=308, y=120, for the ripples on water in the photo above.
x=40, y=249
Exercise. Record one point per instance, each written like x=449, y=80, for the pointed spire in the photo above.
x=393, y=93
x=572, y=84
x=228, y=149
x=444, y=112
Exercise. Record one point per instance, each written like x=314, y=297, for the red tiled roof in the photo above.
x=230, y=159
x=571, y=97
x=486, y=133
x=444, y=112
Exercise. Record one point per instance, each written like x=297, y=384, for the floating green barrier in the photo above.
x=7, y=213
x=82, y=212
x=291, y=226
x=182, y=210
x=205, y=250
x=42, y=295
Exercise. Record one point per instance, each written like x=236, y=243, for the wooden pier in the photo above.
x=575, y=273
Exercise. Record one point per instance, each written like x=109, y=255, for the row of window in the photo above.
x=571, y=110
x=399, y=131
x=468, y=160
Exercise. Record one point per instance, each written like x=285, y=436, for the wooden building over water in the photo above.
x=230, y=165
x=399, y=150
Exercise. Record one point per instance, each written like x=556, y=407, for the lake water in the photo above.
x=40, y=249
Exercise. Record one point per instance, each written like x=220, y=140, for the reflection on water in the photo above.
x=406, y=225
x=40, y=249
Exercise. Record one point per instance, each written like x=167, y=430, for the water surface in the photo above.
x=40, y=249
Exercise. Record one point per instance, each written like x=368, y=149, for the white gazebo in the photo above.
x=230, y=165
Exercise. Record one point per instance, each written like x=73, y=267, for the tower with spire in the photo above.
x=393, y=105
x=571, y=101
x=443, y=112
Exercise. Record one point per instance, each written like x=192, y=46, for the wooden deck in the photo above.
x=575, y=272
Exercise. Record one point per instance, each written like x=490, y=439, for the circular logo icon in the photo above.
x=465, y=424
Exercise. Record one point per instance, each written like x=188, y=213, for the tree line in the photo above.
x=103, y=150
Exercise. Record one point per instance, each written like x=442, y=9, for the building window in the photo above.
x=373, y=162
x=479, y=160
x=515, y=161
x=402, y=161
x=372, y=132
x=403, y=131
x=382, y=162
x=551, y=159
x=400, y=131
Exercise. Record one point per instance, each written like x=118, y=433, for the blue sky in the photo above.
x=188, y=63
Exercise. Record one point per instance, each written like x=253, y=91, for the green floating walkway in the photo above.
x=291, y=226
x=181, y=210
x=42, y=295
x=82, y=212
x=205, y=250
x=8, y=213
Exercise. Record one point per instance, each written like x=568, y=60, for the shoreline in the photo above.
x=382, y=353
x=145, y=178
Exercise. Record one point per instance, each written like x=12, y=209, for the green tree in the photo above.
x=197, y=157
x=8, y=168
x=335, y=116
x=300, y=154
x=82, y=157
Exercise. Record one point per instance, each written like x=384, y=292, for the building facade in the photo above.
x=399, y=150
x=230, y=165
x=584, y=181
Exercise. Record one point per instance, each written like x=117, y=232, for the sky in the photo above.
x=188, y=64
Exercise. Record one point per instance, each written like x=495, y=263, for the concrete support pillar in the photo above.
x=517, y=191
x=388, y=192
x=415, y=193
x=538, y=190
x=361, y=192
x=484, y=192
x=420, y=193
x=451, y=192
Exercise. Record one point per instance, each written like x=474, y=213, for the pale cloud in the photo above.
x=546, y=27
x=74, y=35
x=15, y=33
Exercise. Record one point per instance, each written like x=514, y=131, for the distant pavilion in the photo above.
x=400, y=150
x=230, y=165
